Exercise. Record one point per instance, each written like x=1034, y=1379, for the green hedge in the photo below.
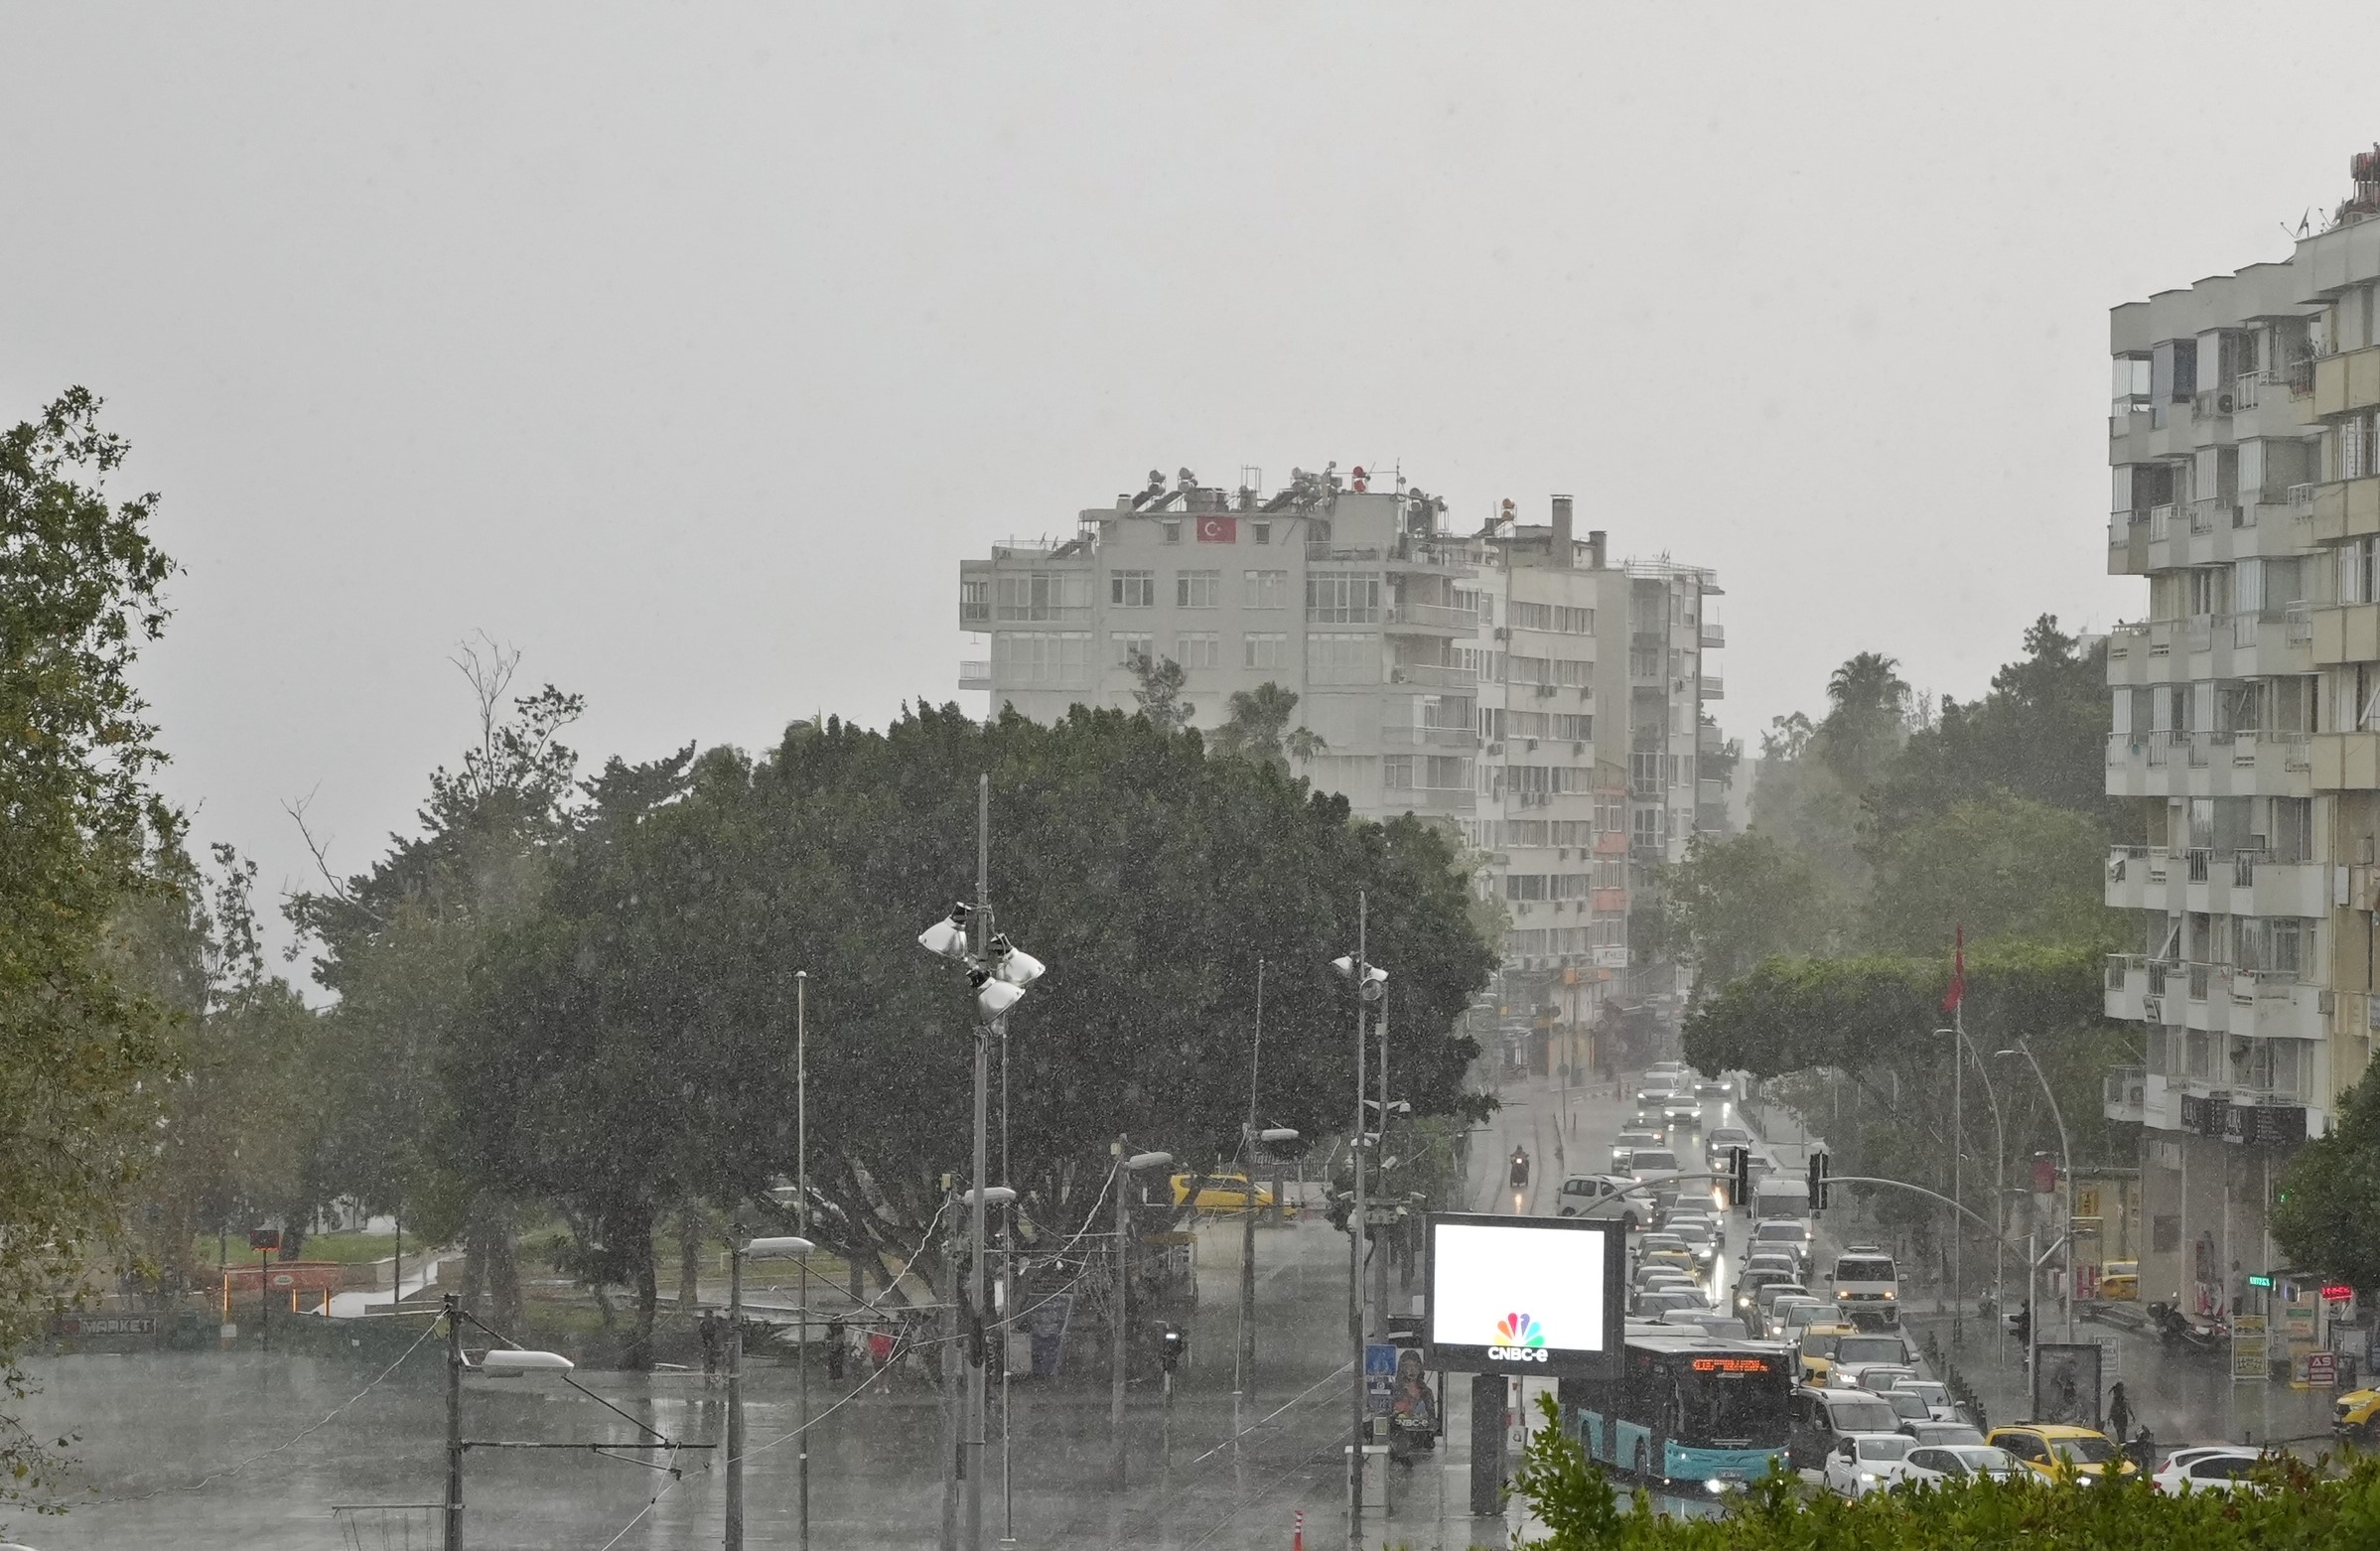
x=2308, y=1509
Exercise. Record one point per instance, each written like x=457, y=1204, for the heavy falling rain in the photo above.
x=1544, y=891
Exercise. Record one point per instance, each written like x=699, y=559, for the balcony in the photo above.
x=2161, y=523
x=1430, y=619
x=2124, y=1094
x=2241, y=881
x=1712, y=687
x=2346, y=762
x=2127, y=985
x=1714, y=636
x=1396, y=738
x=1428, y=799
x=974, y=673
x=1434, y=675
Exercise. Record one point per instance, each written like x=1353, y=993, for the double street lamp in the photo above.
x=2065, y=1149
x=784, y=1247
x=1120, y=1295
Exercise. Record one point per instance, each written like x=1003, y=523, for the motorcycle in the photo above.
x=2178, y=1329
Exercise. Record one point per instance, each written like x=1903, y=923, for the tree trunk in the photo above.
x=491, y=1263
x=689, y=1259
x=639, y=1354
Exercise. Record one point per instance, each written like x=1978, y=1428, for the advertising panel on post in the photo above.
x=1536, y=1295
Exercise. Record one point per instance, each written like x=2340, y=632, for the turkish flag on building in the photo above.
x=1219, y=530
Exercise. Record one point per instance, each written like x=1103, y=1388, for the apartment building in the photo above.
x=2246, y=725
x=1476, y=679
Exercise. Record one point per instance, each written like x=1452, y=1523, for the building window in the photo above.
x=1265, y=650
x=1028, y=657
x=1261, y=530
x=1530, y=616
x=1264, y=589
x=1198, y=588
x=1030, y=596
x=1198, y=649
x=974, y=600
x=1342, y=597
x=1130, y=645
x=1172, y=532
x=1579, y=728
x=1132, y=589
x=1334, y=658
x=1574, y=621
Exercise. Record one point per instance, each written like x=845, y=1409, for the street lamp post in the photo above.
x=1963, y=1050
x=998, y=972
x=2065, y=1149
x=1370, y=985
x=744, y=1249
x=1119, y=1335
x=801, y=1182
x=505, y=1361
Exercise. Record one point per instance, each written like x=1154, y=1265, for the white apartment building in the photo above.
x=1511, y=682
x=2247, y=727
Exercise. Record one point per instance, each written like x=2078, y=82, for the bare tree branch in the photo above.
x=322, y=861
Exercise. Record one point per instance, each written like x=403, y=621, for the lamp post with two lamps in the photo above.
x=1961, y=1052
x=1120, y=1295
x=2065, y=1149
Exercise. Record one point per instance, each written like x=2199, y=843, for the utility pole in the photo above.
x=951, y=1386
x=1355, y=1236
x=802, y=1179
x=1007, y=1314
x=1958, y=1176
x=1118, y=1324
x=734, y=1389
x=978, y=1295
x=1381, y=1253
x=1246, y=1360
x=454, y=1422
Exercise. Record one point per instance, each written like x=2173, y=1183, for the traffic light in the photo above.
x=2021, y=1326
x=1738, y=1185
x=1171, y=1345
x=1818, y=1174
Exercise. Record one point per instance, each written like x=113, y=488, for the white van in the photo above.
x=1780, y=1196
x=1599, y=1196
x=1866, y=1288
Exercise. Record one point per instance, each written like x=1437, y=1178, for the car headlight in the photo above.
x=1889, y=1291
x=1868, y=1476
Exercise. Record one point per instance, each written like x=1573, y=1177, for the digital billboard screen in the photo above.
x=1527, y=1295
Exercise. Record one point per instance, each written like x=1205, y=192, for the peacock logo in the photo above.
x=1518, y=1338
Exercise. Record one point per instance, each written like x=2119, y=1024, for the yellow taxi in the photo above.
x=2041, y=1446
x=1220, y=1191
x=2120, y=1281
x=1818, y=1351
x=2356, y=1416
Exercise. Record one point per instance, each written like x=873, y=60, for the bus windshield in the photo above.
x=1733, y=1410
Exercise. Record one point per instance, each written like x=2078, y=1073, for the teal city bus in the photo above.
x=1692, y=1408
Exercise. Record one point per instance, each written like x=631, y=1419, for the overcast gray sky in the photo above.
x=688, y=348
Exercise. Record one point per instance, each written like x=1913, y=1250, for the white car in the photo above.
x=2217, y=1467
x=1862, y=1463
x=1932, y=1464
x=1855, y=1354
x=1881, y=1376
x=1939, y=1406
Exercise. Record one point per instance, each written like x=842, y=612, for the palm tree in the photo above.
x=1870, y=699
x=1257, y=727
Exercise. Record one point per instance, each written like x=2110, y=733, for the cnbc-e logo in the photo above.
x=1518, y=1338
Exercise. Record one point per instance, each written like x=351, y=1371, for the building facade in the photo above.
x=2246, y=727
x=1512, y=682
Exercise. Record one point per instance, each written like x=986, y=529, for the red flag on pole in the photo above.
x=1958, y=973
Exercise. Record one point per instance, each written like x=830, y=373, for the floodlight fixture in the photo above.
x=993, y=1196
x=993, y=996
x=784, y=1247
x=1013, y=965
x=948, y=936
x=1140, y=1162
x=1277, y=1134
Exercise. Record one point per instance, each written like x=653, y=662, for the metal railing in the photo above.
x=2161, y=523
x=2124, y=1087
x=2244, y=388
x=1434, y=675
x=974, y=673
x=1432, y=614
x=2301, y=499
x=1404, y=737
x=2299, y=617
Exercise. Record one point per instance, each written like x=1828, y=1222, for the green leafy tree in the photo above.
x=397, y=942
x=1732, y=902
x=2001, y=866
x=1258, y=727
x=1159, y=695
x=630, y=1042
x=2331, y=1196
x=1800, y=802
x=83, y=1055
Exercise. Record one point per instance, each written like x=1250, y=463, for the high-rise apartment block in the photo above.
x=1512, y=682
x=2247, y=728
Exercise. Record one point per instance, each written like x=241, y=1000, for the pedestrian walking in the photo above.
x=706, y=1329
x=838, y=1348
x=2119, y=1412
x=880, y=1352
x=2144, y=1450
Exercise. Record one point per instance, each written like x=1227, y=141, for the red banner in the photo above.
x=1219, y=530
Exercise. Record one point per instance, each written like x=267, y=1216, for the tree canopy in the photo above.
x=2331, y=1196
x=629, y=1044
